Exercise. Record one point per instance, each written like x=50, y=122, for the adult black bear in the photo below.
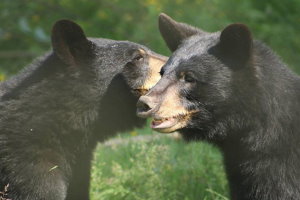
x=234, y=92
x=54, y=111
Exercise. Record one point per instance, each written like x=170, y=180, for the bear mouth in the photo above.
x=171, y=124
x=140, y=91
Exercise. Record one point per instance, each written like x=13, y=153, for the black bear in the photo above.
x=55, y=110
x=232, y=91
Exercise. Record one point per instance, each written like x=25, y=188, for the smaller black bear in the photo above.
x=55, y=110
x=234, y=92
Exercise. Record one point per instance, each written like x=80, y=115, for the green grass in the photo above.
x=159, y=169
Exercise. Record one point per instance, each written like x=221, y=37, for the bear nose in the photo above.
x=145, y=107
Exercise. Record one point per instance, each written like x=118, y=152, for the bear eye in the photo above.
x=187, y=77
x=138, y=58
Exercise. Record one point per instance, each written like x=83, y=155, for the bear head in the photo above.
x=198, y=90
x=140, y=66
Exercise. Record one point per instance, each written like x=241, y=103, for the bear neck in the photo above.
x=117, y=111
x=261, y=150
x=267, y=105
x=47, y=100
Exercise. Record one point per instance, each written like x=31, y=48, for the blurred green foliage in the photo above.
x=26, y=25
x=161, y=169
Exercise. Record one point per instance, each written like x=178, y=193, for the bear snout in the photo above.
x=145, y=107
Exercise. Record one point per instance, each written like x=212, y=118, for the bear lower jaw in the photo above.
x=171, y=124
x=164, y=123
x=140, y=91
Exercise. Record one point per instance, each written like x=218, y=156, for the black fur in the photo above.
x=55, y=110
x=249, y=106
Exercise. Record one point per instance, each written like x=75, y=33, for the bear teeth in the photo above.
x=183, y=115
x=167, y=118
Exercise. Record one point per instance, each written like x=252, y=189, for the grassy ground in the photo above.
x=159, y=169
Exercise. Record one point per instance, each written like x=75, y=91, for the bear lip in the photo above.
x=169, y=122
x=141, y=91
x=164, y=123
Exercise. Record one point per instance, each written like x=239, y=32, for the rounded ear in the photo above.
x=236, y=44
x=69, y=41
x=175, y=32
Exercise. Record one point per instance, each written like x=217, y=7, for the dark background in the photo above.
x=26, y=24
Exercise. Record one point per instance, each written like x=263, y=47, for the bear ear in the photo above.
x=175, y=32
x=69, y=41
x=236, y=44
